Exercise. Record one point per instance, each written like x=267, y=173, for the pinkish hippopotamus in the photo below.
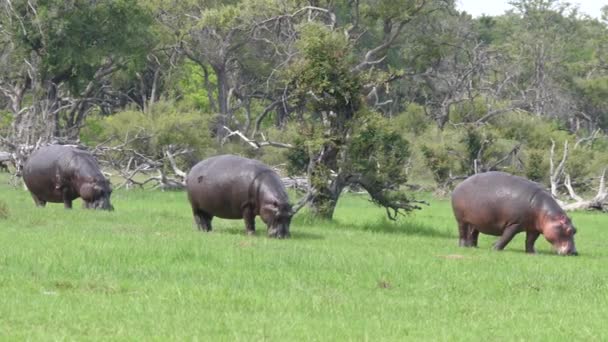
x=233, y=187
x=59, y=173
x=501, y=204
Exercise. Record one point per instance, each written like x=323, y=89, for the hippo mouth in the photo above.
x=567, y=249
x=279, y=233
x=100, y=204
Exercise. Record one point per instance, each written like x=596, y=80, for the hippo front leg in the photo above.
x=39, y=203
x=530, y=240
x=67, y=202
x=202, y=220
x=507, y=236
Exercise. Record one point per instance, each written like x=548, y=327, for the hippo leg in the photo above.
x=249, y=217
x=463, y=230
x=67, y=203
x=530, y=240
x=202, y=220
x=39, y=203
x=507, y=236
x=473, y=236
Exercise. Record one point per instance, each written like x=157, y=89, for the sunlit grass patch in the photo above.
x=143, y=272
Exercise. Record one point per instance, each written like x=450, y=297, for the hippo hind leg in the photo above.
x=473, y=236
x=39, y=203
x=507, y=236
x=202, y=220
x=464, y=232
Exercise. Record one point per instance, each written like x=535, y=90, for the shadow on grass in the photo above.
x=406, y=227
x=382, y=225
x=538, y=253
x=261, y=232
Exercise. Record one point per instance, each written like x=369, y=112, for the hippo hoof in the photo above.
x=251, y=232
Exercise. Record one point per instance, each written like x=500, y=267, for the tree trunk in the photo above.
x=325, y=188
x=222, y=89
x=39, y=121
x=323, y=206
x=223, y=118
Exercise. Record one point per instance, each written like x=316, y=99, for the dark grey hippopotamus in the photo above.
x=497, y=203
x=233, y=187
x=59, y=173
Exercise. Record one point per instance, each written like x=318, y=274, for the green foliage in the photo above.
x=6, y=118
x=414, y=120
x=536, y=169
x=74, y=38
x=578, y=166
x=165, y=125
x=376, y=150
x=188, y=84
x=324, y=71
x=93, y=130
x=532, y=131
x=438, y=161
x=221, y=17
x=297, y=158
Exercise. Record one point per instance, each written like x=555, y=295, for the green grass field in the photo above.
x=144, y=273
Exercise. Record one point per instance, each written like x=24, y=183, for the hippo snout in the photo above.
x=100, y=204
x=567, y=249
x=279, y=233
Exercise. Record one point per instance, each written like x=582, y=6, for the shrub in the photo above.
x=165, y=125
x=414, y=120
x=536, y=170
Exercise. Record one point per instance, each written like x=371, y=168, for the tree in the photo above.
x=57, y=58
x=345, y=143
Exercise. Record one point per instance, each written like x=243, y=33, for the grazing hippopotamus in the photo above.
x=233, y=187
x=498, y=203
x=58, y=173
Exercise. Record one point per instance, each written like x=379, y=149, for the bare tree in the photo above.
x=558, y=176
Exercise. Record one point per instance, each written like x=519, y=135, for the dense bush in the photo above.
x=165, y=125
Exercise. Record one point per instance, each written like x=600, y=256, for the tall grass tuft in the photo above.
x=3, y=210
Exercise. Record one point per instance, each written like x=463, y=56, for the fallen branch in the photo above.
x=597, y=203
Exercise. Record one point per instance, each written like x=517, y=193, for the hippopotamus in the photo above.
x=60, y=173
x=501, y=204
x=234, y=187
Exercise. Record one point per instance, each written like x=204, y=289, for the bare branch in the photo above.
x=253, y=143
x=556, y=173
x=571, y=192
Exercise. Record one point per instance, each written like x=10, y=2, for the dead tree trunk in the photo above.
x=556, y=173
